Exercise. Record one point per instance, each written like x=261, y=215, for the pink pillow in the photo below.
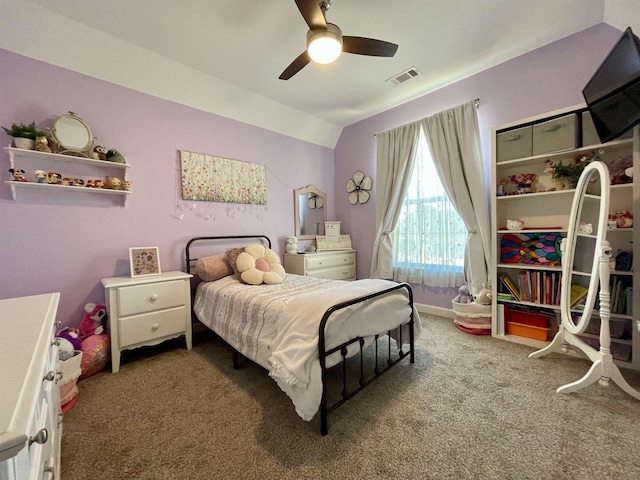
x=213, y=268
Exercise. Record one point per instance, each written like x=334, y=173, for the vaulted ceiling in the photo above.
x=228, y=54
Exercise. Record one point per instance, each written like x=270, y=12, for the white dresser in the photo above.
x=30, y=414
x=335, y=264
x=147, y=310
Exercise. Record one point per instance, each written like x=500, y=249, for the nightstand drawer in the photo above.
x=150, y=297
x=346, y=272
x=149, y=326
x=319, y=262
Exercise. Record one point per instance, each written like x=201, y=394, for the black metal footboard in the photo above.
x=378, y=370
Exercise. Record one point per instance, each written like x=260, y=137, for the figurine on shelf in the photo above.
x=99, y=153
x=54, y=178
x=42, y=144
x=126, y=185
x=40, y=176
x=18, y=175
x=78, y=182
x=113, y=183
x=98, y=183
x=515, y=224
x=623, y=218
x=67, y=182
x=90, y=184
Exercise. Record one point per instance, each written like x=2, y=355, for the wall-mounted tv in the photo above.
x=613, y=93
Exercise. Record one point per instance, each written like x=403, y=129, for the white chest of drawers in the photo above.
x=30, y=414
x=147, y=310
x=335, y=265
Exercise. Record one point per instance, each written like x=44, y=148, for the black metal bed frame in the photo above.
x=323, y=353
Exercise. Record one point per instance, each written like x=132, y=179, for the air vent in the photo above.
x=404, y=76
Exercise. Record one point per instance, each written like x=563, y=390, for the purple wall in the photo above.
x=549, y=78
x=68, y=243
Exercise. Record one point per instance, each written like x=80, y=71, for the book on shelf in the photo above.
x=578, y=292
x=513, y=289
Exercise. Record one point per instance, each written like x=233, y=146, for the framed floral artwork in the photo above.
x=144, y=261
x=216, y=179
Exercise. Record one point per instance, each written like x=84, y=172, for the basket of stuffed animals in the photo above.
x=472, y=314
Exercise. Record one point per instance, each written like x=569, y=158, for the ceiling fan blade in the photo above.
x=295, y=66
x=368, y=46
x=312, y=14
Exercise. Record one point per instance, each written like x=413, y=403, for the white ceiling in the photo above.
x=245, y=45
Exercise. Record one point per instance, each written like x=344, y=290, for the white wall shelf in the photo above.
x=69, y=167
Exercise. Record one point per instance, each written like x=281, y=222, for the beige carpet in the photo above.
x=470, y=407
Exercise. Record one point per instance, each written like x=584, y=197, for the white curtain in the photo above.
x=396, y=152
x=454, y=139
x=429, y=238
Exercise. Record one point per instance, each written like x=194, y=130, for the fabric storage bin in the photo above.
x=514, y=144
x=527, y=331
x=472, y=317
x=533, y=319
x=554, y=135
x=590, y=134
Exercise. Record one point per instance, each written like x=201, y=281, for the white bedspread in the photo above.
x=277, y=325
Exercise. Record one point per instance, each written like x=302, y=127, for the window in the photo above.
x=429, y=239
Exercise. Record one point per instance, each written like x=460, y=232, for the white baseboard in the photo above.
x=431, y=310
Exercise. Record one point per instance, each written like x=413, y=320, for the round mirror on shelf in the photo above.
x=72, y=134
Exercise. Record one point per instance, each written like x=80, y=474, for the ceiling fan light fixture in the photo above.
x=324, y=46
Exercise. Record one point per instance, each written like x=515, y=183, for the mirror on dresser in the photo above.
x=310, y=212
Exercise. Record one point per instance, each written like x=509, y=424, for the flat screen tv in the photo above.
x=613, y=93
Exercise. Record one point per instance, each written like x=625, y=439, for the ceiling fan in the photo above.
x=325, y=40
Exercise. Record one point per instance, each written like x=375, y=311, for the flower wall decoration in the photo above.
x=315, y=201
x=358, y=188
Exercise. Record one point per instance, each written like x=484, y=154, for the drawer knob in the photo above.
x=153, y=297
x=155, y=327
x=50, y=376
x=41, y=437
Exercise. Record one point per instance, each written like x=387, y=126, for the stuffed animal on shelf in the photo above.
x=623, y=218
x=114, y=156
x=463, y=295
x=18, y=175
x=515, y=224
x=42, y=144
x=93, y=320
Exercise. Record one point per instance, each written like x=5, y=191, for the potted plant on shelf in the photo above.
x=24, y=136
x=566, y=176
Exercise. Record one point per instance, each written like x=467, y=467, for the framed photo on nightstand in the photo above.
x=144, y=261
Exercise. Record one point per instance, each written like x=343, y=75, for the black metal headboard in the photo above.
x=190, y=243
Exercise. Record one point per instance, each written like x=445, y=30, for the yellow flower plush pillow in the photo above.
x=259, y=264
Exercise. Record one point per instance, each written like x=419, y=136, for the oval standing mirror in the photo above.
x=72, y=134
x=586, y=256
x=309, y=211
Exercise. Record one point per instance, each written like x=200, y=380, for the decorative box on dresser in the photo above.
x=524, y=147
x=335, y=264
x=30, y=413
x=147, y=310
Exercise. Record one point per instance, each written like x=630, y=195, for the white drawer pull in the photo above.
x=153, y=297
x=155, y=327
x=41, y=437
x=50, y=470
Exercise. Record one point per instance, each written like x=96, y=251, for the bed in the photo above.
x=300, y=328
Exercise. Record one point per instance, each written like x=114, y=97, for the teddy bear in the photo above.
x=93, y=320
x=463, y=295
x=484, y=297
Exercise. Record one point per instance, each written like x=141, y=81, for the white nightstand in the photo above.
x=147, y=311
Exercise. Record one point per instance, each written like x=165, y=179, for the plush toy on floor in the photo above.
x=93, y=320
